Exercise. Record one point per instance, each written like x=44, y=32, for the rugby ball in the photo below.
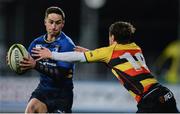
x=15, y=54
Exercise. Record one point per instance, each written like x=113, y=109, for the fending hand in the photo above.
x=41, y=53
x=80, y=49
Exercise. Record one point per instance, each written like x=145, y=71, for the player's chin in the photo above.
x=54, y=33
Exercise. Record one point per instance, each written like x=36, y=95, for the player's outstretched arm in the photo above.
x=80, y=49
x=45, y=53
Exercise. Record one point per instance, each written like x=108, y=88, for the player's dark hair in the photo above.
x=56, y=10
x=122, y=31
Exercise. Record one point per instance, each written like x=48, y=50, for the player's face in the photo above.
x=54, y=24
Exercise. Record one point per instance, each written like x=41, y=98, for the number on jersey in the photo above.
x=137, y=65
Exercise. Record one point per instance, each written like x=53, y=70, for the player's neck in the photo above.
x=51, y=38
x=112, y=43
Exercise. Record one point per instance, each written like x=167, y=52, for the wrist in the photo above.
x=52, y=55
x=38, y=66
x=34, y=65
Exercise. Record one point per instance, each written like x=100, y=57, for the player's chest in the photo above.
x=51, y=46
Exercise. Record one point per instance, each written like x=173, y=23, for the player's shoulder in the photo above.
x=108, y=47
x=39, y=39
x=129, y=46
x=65, y=38
x=105, y=49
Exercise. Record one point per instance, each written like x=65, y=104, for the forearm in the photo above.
x=69, y=56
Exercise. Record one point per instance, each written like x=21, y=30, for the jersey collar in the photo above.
x=57, y=38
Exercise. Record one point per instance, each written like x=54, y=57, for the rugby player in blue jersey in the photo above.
x=55, y=89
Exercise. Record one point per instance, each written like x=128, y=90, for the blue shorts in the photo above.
x=55, y=100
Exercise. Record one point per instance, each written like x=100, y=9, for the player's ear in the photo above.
x=63, y=23
x=45, y=21
x=112, y=37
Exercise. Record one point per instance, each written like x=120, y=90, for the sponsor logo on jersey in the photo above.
x=56, y=48
x=38, y=46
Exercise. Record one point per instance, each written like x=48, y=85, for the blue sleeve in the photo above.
x=68, y=45
x=31, y=46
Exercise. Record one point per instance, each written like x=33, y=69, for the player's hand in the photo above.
x=80, y=49
x=27, y=63
x=7, y=61
x=41, y=53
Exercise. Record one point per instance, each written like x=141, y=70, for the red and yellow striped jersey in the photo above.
x=127, y=64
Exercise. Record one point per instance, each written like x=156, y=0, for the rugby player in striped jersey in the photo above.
x=126, y=61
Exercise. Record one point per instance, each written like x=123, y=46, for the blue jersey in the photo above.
x=54, y=74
